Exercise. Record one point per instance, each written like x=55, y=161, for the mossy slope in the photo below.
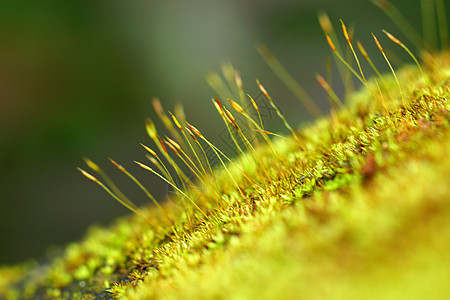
x=362, y=214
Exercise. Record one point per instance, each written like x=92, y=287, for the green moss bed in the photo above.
x=359, y=210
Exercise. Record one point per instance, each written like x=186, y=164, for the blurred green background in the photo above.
x=77, y=77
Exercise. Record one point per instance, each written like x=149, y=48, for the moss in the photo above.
x=362, y=213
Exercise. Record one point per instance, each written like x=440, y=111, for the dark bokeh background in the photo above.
x=77, y=77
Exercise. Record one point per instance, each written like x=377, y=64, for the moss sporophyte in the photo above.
x=355, y=201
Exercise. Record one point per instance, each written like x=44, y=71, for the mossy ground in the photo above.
x=363, y=213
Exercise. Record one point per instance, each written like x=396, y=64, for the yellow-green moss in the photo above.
x=362, y=214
